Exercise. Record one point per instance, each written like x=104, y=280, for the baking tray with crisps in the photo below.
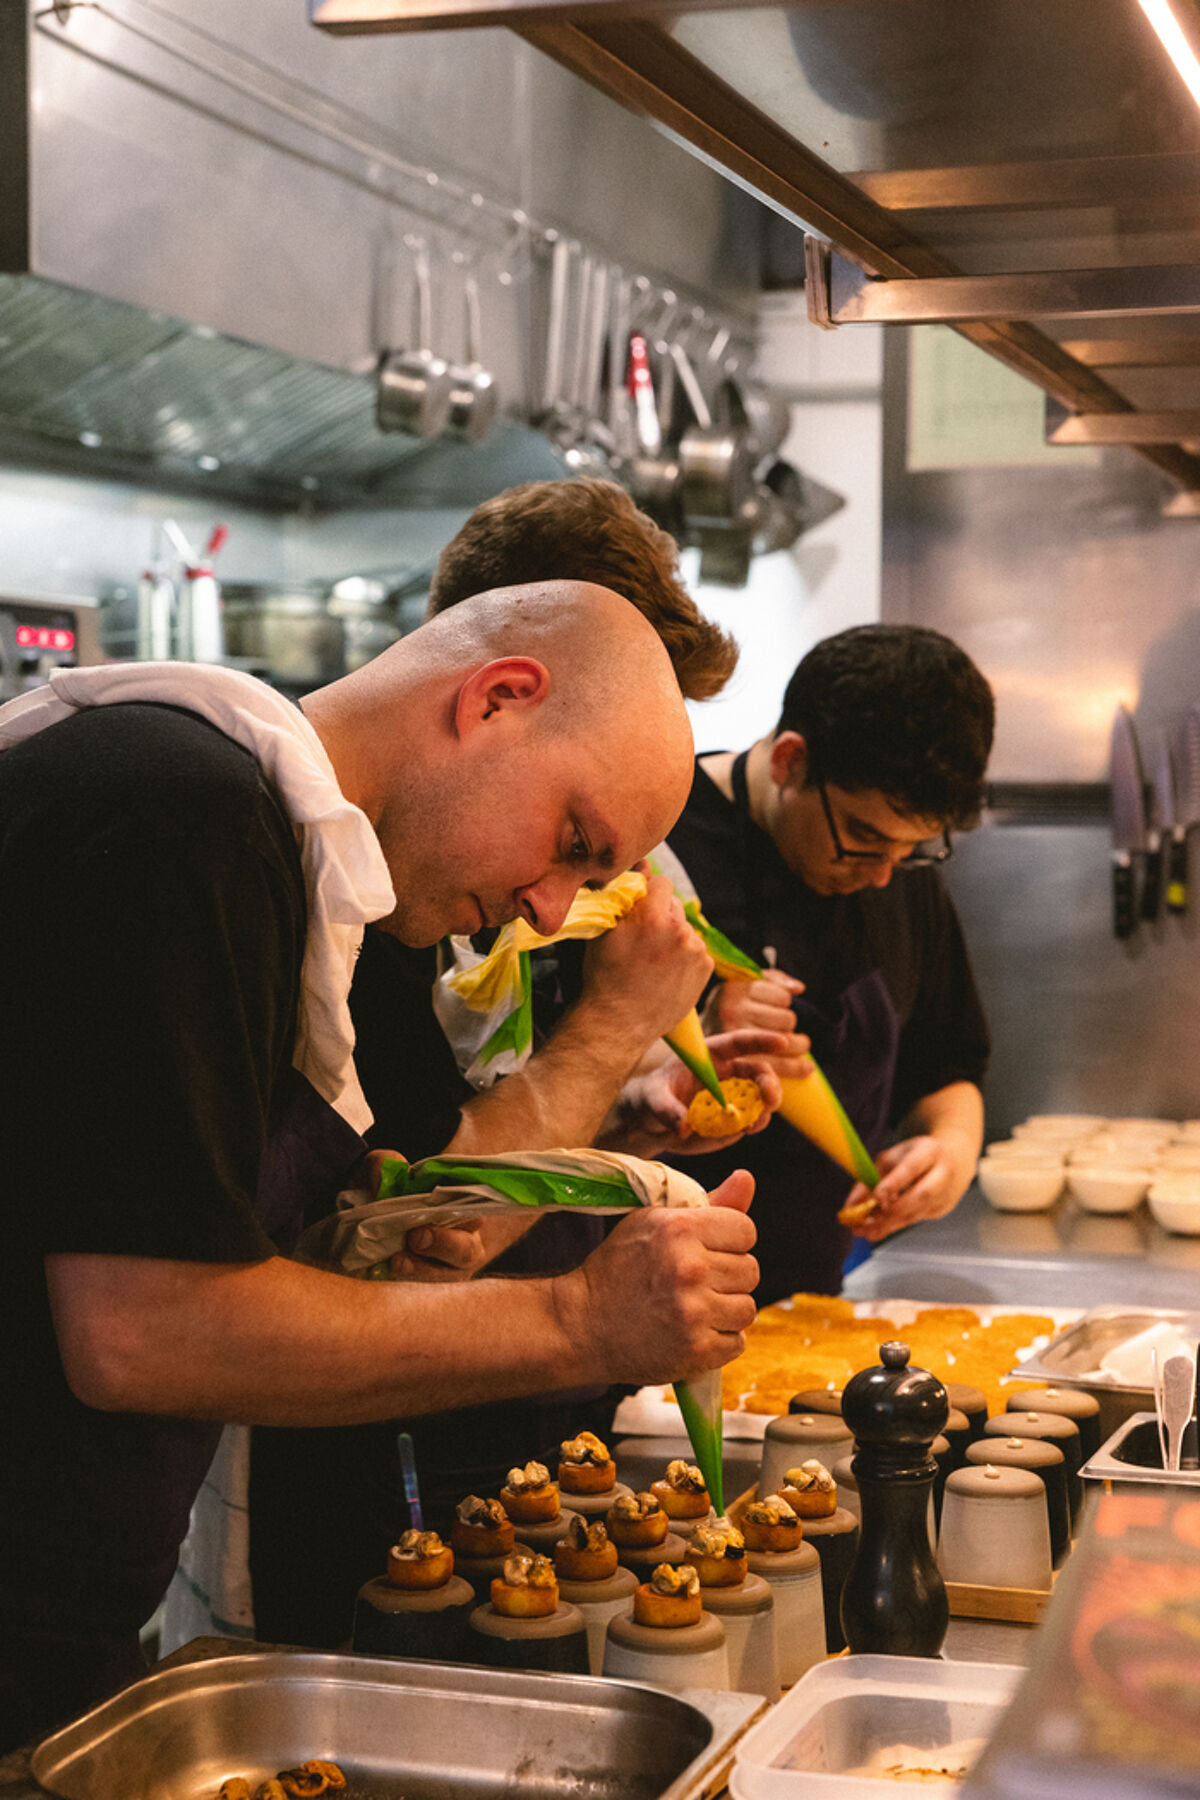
x=820, y=1340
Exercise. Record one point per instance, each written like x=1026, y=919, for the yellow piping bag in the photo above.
x=808, y=1104
x=484, y=1003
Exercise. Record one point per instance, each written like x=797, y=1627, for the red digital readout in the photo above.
x=44, y=637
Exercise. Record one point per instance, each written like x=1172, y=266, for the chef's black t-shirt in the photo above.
x=907, y=941
x=152, y=914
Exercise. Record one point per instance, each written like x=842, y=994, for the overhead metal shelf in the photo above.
x=1014, y=168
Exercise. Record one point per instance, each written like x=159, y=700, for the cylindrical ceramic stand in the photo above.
x=817, y=1400
x=556, y=1644
x=1050, y=1427
x=995, y=1529
x=543, y=1534
x=593, y=1506
x=1043, y=1459
x=846, y=1482
x=1072, y=1403
x=392, y=1621
x=958, y=1434
x=643, y=1562
x=835, y=1541
x=599, y=1601
x=682, y=1657
x=747, y=1612
x=481, y=1571
x=972, y=1402
x=794, y=1578
x=796, y=1438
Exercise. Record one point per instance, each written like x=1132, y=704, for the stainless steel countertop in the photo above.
x=1063, y=1257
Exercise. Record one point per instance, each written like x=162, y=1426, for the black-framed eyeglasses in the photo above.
x=921, y=856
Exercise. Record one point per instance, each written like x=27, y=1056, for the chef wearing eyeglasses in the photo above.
x=817, y=850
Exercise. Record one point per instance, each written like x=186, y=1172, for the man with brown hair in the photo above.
x=587, y=531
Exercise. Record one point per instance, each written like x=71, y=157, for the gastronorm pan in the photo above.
x=1133, y=1455
x=400, y=1730
x=1073, y=1357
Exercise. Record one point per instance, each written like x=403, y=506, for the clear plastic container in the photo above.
x=843, y=1713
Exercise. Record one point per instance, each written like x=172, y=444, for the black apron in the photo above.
x=855, y=1039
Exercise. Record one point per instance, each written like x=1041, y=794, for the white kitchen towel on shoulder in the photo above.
x=345, y=875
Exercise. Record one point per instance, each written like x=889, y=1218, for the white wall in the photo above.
x=831, y=577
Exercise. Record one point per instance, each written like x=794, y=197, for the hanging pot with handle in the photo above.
x=716, y=461
x=473, y=397
x=413, y=386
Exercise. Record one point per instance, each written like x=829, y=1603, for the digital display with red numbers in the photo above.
x=44, y=637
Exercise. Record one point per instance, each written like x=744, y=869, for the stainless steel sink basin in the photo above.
x=400, y=1730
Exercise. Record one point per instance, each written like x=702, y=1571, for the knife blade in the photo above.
x=1187, y=808
x=1128, y=818
x=1160, y=821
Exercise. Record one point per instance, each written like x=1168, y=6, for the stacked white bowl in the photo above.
x=1108, y=1165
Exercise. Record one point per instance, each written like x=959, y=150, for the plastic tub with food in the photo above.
x=859, y=1727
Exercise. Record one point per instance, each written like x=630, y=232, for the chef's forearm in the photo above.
x=565, y=1091
x=953, y=1115
x=278, y=1343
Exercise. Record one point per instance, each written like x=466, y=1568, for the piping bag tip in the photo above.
x=700, y=1403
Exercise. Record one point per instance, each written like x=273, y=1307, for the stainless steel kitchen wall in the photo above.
x=1071, y=592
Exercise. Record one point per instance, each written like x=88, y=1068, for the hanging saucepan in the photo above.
x=768, y=416
x=716, y=462
x=473, y=396
x=793, y=503
x=413, y=386
x=653, y=473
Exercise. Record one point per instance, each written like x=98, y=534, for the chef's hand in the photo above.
x=763, y=1005
x=651, y=965
x=669, y=1293
x=650, y=1118
x=921, y=1179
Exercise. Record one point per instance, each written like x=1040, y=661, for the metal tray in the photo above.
x=400, y=1730
x=1133, y=1454
x=1073, y=1355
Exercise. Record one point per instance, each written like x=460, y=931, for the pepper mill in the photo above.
x=894, y=1600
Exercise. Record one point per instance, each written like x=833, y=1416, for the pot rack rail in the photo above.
x=326, y=134
x=875, y=264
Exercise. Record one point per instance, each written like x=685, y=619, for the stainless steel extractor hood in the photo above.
x=1025, y=170
x=210, y=217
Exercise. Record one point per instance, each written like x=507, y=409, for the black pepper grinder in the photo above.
x=894, y=1601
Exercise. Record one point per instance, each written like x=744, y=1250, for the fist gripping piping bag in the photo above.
x=361, y=1236
x=810, y=1105
x=484, y=1004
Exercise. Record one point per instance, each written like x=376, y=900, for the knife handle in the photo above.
x=1177, y=874
x=1124, y=916
x=1152, y=864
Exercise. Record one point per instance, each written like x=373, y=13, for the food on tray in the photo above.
x=820, y=1341
x=482, y=1528
x=420, y=1561
x=810, y=1490
x=312, y=1778
x=670, y=1599
x=636, y=1521
x=771, y=1524
x=529, y=1495
x=743, y=1105
x=528, y=1588
x=682, y=1493
x=315, y=1777
x=585, y=1466
x=717, y=1552
x=910, y=1763
x=586, y=1553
